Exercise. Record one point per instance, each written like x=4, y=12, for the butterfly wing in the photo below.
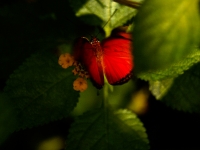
x=85, y=53
x=78, y=48
x=118, y=58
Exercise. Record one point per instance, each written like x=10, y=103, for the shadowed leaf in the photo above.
x=103, y=130
x=174, y=70
x=8, y=121
x=184, y=93
x=41, y=91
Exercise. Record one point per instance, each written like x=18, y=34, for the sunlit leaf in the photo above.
x=8, y=120
x=102, y=130
x=184, y=93
x=103, y=9
x=160, y=88
x=41, y=91
x=165, y=33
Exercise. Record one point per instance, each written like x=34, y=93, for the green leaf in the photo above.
x=122, y=95
x=165, y=33
x=101, y=130
x=8, y=121
x=41, y=91
x=88, y=100
x=174, y=70
x=160, y=88
x=184, y=93
x=118, y=98
x=103, y=9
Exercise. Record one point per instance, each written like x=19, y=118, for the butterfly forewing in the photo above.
x=91, y=59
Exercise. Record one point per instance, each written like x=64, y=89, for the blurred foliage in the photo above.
x=35, y=32
x=160, y=87
x=173, y=70
x=166, y=47
x=167, y=33
x=184, y=93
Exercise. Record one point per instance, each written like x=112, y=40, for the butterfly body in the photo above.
x=112, y=58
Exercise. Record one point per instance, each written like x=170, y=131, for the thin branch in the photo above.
x=129, y=3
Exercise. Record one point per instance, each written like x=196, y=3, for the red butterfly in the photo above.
x=112, y=58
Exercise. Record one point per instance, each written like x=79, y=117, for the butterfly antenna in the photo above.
x=91, y=36
x=108, y=20
x=129, y=3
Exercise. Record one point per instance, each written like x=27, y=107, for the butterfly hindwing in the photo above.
x=117, y=58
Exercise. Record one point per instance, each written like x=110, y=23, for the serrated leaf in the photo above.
x=165, y=33
x=41, y=91
x=102, y=130
x=174, y=70
x=8, y=121
x=103, y=9
x=184, y=93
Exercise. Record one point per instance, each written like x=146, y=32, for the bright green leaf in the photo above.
x=41, y=91
x=103, y=9
x=101, y=130
x=184, y=93
x=8, y=120
x=160, y=88
x=165, y=33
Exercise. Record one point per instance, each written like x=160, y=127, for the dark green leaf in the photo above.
x=184, y=93
x=41, y=91
x=8, y=120
x=165, y=33
x=102, y=130
x=174, y=70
